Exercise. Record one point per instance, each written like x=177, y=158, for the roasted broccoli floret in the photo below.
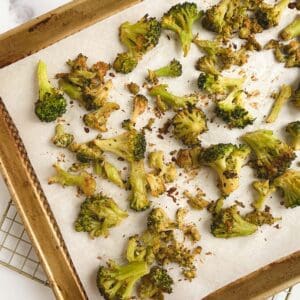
x=173, y=69
x=156, y=184
x=269, y=16
x=180, y=19
x=232, y=110
x=188, y=124
x=138, y=183
x=198, y=201
x=293, y=129
x=86, y=152
x=281, y=98
x=272, y=156
x=296, y=97
x=289, y=184
x=228, y=223
x=207, y=65
x=133, y=88
x=291, y=31
x=118, y=281
x=136, y=251
x=130, y=145
x=189, y=158
x=158, y=221
x=263, y=189
x=84, y=181
x=98, y=119
x=125, y=62
x=217, y=84
x=260, y=218
x=51, y=103
x=227, y=160
x=61, y=138
x=98, y=214
x=154, y=284
x=167, y=100
x=167, y=171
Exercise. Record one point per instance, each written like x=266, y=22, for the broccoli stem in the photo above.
x=291, y=31
x=44, y=85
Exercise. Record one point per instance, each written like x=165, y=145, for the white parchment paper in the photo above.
x=229, y=259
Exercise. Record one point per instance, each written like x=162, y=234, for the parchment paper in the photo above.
x=230, y=259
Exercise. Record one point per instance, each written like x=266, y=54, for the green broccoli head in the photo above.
x=136, y=251
x=173, y=69
x=61, y=138
x=154, y=284
x=180, y=19
x=227, y=160
x=291, y=31
x=51, y=103
x=289, y=184
x=98, y=214
x=272, y=156
x=269, y=16
x=293, y=129
x=260, y=218
x=84, y=181
x=138, y=182
x=263, y=189
x=188, y=124
x=217, y=84
x=169, y=100
x=232, y=110
x=189, y=158
x=130, y=145
x=158, y=221
x=118, y=281
x=125, y=62
x=86, y=152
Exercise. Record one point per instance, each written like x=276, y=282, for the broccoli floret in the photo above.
x=281, y=98
x=217, y=84
x=61, y=138
x=188, y=124
x=227, y=160
x=207, y=65
x=140, y=104
x=125, y=62
x=118, y=281
x=154, y=284
x=98, y=214
x=189, y=158
x=260, y=218
x=198, y=201
x=86, y=152
x=269, y=16
x=173, y=69
x=84, y=181
x=135, y=250
x=232, y=110
x=51, y=103
x=158, y=221
x=167, y=171
x=133, y=88
x=228, y=223
x=293, y=129
x=296, y=97
x=263, y=189
x=138, y=183
x=272, y=156
x=79, y=166
x=180, y=19
x=130, y=145
x=156, y=184
x=289, y=184
x=166, y=99
x=291, y=31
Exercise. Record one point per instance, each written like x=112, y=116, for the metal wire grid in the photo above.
x=16, y=251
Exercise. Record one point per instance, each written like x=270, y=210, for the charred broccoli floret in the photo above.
x=232, y=110
x=138, y=183
x=293, y=129
x=86, y=152
x=269, y=16
x=156, y=184
x=84, y=181
x=51, y=103
x=289, y=184
x=188, y=124
x=154, y=284
x=272, y=156
x=228, y=223
x=158, y=221
x=118, y=281
x=98, y=119
x=263, y=189
x=189, y=158
x=260, y=218
x=125, y=62
x=281, y=98
x=98, y=214
x=130, y=145
x=217, y=84
x=227, y=160
x=167, y=100
x=207, y=65
x=61, y=138
x=133, y=88
x=173, y=69
x=180, y=19
x=140, y=104
x=291, y=31
x=198, y=201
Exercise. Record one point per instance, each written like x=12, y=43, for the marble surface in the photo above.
x=15, y=286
